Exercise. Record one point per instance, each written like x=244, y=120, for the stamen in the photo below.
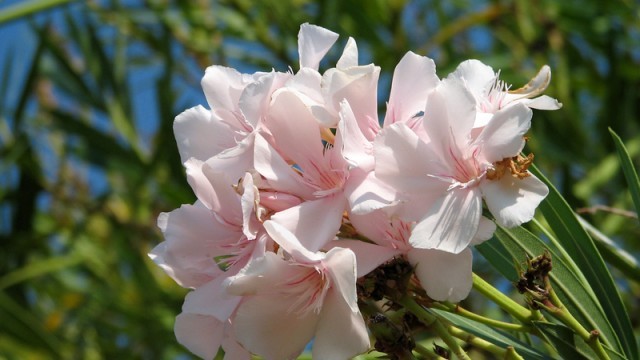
x=518, y=167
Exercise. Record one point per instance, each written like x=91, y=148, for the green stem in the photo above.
x=518, y=311
x=26, y=8
x=508, y=353
x=431, y=321
x=457, y=309
x=592, y=338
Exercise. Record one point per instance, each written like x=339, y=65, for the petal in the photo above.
x=223, y=86
x=342, y=333
x=200, y=184
x=536, y=85
x=477, y=76
x=503, y=136
x=235, y=161
x=201, y=334
x=543, y=102
x=513, y=201
x=341, y=265
x=403, y=160
x=413, y=78
x=445, y=276
x=256, y=97
x=366, y=193
x=357, y=149
x=295, y=132
x=368, y=256
x=358, y=85
x=290, y=243
x=486, y=228
x=277, y=172
x=264, y=325
x=349, y=56
x=259, y=275
x=233, y=350
x=314, y=223
x=451, y=222
x=199, y=134
x=211, y=299
x=313, y=43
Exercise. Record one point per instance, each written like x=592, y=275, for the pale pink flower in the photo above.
x=445, y=172
x=297, y=295
x=493, y=94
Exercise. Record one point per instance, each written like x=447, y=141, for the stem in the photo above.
x=431, y=321
x=518, y=311
x=457, y=309
x=591, y=338
x=508, y=353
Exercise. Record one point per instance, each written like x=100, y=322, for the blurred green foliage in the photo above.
x=88, y=158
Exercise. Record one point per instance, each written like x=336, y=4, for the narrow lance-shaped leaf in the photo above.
x=579, y=245
x=629, y=170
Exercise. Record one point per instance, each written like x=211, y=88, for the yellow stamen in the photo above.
x=516, y=165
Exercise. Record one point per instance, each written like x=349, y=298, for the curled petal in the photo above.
x=313, y=43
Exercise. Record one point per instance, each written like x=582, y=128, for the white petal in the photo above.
x=342, y=333
x=513, y=201
x=368, y=256
x=197, y=134
x=413, y=78
x=340, y=263
x=486, y=228
x=313, y=43
x=222, y=86
x=314, y=223
x=403, y=160
x=257, y=95
x=543, y=102
x=503, y=136
x=451, y=222
x=445, y=276
x=201, y=334
x=476, y=75
x=357, y=149
x=349, y=56
x=211, y=299
x=358, y=85
x=264, y=325
x=290, y=243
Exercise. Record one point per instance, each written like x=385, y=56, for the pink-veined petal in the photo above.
x=513, y=201
x=313, y=43
x=201, y=334
x=503, y=136
x=445, y=276
x=341, y=333
x=277, y=172
x=451, y=222
x=404, y=161
x=413, y=78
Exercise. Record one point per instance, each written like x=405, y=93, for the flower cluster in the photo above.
x=301, y=192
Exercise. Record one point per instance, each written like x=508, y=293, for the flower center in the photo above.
x=516, y=165
x=494, y=100
x=309, y=288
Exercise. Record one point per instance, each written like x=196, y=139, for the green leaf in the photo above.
x=486, y=332
x=629, y=170
x=569, y=286
x=580, y=247
x=26, y=8
x=568, y=344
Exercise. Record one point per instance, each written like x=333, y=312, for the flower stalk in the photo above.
x=518, y=311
